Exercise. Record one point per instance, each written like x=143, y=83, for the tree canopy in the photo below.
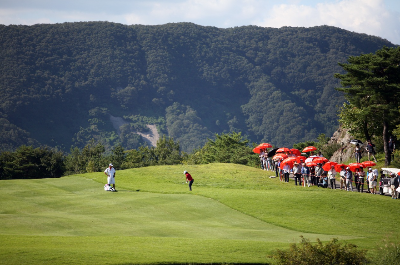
x=372, y=87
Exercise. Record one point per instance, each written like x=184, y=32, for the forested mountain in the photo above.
x=61, y=83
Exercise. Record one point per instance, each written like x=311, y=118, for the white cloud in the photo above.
x=363, y=16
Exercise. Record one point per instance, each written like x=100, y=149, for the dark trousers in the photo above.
x=286, y=177
x=316, y=180
x=297, y=177
x=190, y=184
x=360, y=185
x=333, y=183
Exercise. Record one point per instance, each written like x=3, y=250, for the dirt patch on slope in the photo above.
x=152, y=136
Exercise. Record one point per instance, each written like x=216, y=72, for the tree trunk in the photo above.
x=366, y=133
x=386, y=143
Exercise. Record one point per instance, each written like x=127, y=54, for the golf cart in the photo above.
x=384, y=183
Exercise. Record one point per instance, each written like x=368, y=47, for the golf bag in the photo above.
x=108, y=187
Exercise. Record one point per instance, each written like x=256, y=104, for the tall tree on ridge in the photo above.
x=372, y=88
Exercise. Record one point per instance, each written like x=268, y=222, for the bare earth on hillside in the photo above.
x=151, y=137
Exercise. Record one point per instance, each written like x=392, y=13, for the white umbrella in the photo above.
x=310, y=158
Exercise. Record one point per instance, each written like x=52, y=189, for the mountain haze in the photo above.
x=61, y=84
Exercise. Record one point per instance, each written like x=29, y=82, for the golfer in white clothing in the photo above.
x=110, y=172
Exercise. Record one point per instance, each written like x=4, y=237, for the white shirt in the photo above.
x=286, y=168
x=110, y=172
x=371, y=176
x=331, y=173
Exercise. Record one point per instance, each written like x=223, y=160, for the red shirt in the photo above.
x=188, y=177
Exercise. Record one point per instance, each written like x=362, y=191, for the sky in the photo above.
x=374, y=17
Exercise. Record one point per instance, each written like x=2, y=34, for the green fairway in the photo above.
x=234, y=214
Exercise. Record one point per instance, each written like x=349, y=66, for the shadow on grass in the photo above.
x=191, y=263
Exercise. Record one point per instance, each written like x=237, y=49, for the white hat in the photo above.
x=184, y=172
x=369, y=168
x=110, y=165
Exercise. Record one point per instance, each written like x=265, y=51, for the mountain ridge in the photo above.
x=60, y=82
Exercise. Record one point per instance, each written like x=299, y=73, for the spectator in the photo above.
x=261, y=156
x=342, y=179
x=277, y=169
x=357, y=153
x=360, y=184
x=270, y=165
x=312, y=175
x=324, y=181
x=394, y=184
x=355, y=177
x=371, y=181
x=265, y=160
x=332, y=177
x=286, y=171
x=297, y=173
x=318, y=173
x=305, y=172
x=371, y=150
x=349, y=178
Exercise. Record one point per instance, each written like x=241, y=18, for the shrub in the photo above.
x=330, y=253
x=389, y=253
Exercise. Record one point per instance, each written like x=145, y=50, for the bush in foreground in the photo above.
x=330, y=253
x=389, y=253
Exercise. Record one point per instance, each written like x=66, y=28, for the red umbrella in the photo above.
x=368, y=163
x=309, y=149
x=257, y=150
x=320, y=160
x=338, y=167
x=328, y=165
x=260, y=147
x=292, y=158
x=295, y=152
x=301, y=159
x=265, y=145
x=354, y=166
x=288, y=161
x=283, y=150
x=280, y=156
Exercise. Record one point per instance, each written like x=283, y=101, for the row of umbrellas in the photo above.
x=313, y=161
x=273, y=152
x=291, y=156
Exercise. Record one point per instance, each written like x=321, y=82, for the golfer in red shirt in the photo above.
x=188, y=179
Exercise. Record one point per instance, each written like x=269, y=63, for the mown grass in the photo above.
x=235, y=214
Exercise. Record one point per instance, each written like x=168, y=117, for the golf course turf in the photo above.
x=235, y=214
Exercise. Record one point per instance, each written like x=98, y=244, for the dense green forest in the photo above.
x=61, y=83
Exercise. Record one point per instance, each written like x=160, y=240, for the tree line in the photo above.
x=28, y=162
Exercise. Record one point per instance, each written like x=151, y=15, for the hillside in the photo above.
x=62, y=83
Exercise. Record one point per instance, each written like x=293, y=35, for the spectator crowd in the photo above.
x=315, y=170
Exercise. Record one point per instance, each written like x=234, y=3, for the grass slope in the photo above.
x=234, y=214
